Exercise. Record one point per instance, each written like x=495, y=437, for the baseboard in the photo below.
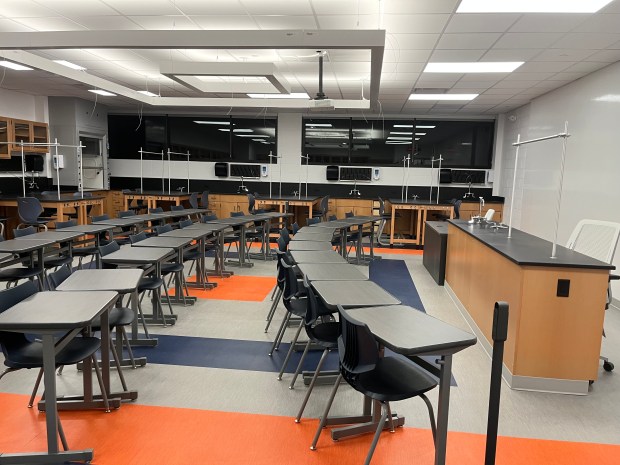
x=520, y=383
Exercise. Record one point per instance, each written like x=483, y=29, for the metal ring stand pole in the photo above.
x=23, y=170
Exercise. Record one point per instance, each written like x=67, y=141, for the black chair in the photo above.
x=278, y=289
x=321, y=212
x=2, y=220
x=74, y=214
x=29, y=210
x=311, y=221
x=385, y=217
x=103, y=217
x=295, y=227
x=204, y=199
x=177, y=269
x=20, y=352
x=126, y=230
x=383, y=379
x=14, y=274
x=79, y=252
x=118, y=318
x=207, y=218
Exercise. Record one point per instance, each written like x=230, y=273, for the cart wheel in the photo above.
x=608, y=366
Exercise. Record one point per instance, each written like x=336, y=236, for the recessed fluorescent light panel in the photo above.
x=15, y=66
x=218, y=123
x=102, y=92
x=397, y=133
x=473, y=67
x=425, y=127
x=404, y=126
x=398, y=138
x=397, y=142
x=68, y=64
x=291, y=95
x=443, y=96
x=236, y=130
x=531, y=6
x=318, y=125
x=147, y=93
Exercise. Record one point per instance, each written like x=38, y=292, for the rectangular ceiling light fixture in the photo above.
x=398, y=133
x=148, y=93
x=443, y=96
x=15, y=66
x=68, y=64
x=398, y=138
x=218, y=123
x=298, y=95
x=318, y=125
x=102, y=92
x=236, y=130
x=404, y=125
x=473, y=67
x=425, y=127
x=531, y=6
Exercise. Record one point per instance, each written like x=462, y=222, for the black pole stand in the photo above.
x=500, y=334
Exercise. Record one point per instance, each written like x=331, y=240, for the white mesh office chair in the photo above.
x=597, y=239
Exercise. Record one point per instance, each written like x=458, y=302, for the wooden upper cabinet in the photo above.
x=18, y=130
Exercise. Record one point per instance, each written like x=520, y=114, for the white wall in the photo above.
x=23, y=106
x=591, y=186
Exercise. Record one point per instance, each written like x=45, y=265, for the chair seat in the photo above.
x=85, y=251
x=168, y=268
x=150, y=284
x=393, y=379
x=13, y=274
x=31, y=355
x=119, y=316
x=56, y=262
x=325, y=334
x=191, y=255
x=297, y=307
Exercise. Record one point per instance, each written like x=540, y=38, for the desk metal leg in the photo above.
x=134, y=340
x=242, y=245
x=443, y=406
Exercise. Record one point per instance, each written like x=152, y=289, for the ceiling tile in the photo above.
x=348, y=21
x=600, y=23
x=106, y=23
x=447, y=56
x=586, y=40
x=566, y=77
x=544, y=66
x=24, y=9
x=56, y=23
x=484, y=77
x=473, y=85
x=352, y=67
x=225, y=22
x=515, y=84
x=406, y=56
x=211, y=7
x=467, y=41
x=408, y=6
x=508, y=54
x=73, y=8
x=607, y=56
x=441, y=80
x=171, y=22
x=277, y=7
x=421, y=23
x=403, y=67
x=527, y=40
x=140, y=7
x=528, y=76
x=483, y=22
x=585, y=67
x=411, y=41
x=548, y=22
x=8, y=25
x=559, y=54
x=346, y=7
x=286, y=22
x=503, y=91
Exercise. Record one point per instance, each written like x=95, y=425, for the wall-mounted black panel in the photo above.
x=355, y=174
x=467, y=176
x=331, y=173
x=445, y=176
x=247, y=171
x=221, y=170
x=34, y=163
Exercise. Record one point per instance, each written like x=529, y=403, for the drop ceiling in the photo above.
x=556, y=48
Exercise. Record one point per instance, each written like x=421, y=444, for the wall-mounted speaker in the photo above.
x=221, y=170
x=332, y=173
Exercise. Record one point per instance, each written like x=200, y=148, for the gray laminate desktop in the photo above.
x=353, y=294
x=5, y=256
x=138, y=255
x=89, y=228
x=317, y=256
x=310, y=245
x=47, y=313
x=161, y=241
x=331, y=272
x=317, y=234
x=412, y=333
x=56, y=236
x=16, y=246
x=121, y=222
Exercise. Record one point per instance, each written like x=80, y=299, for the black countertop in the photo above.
x=527, y=250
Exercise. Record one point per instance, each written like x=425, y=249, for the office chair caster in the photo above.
x=608, y=366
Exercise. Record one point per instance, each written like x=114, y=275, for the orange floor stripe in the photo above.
x=395, y=251
x=237, y=287
x=141, y=435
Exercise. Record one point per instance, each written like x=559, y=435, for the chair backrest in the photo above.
x=349, y=215
x=193, y=200
x=207, y=218
x=9, y=298
x=251, y=203
x=156, y=210
x=100, y=218
x=108, y=248
x=49, y=194
x=597, y=239
x=29, y=209
x=357, y=347
x=332, y=218
x=176, y=208
x=315, y=310
x=310, y=221
x=133, y=238
x=159, y=230
x=185, y=223
x=281, y=244
x=457, y=209
x=489, y=214
x=295, y=228
x=24, y=231
x=381, y=206
x=233, y=214
x=58, y=276
x=290, y=280
x=126, y=213
x=325, y=203
x=285, y=234
x=65, y=224
x=204, y=199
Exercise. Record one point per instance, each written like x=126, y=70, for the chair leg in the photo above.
x=375, y=439
x=431, y=416
x=37, y=383
x=117, y=363
x=273, y=293
x=330, y=401
x=390, y=419
x=167, y=299
x=290, y=350
x=311, y=387
x=299, y=365
x=61, y=434
x=8, y=370
x=146, y=331
x=104, y=394
x=273, y=308
x=128, y=345
x=276, y=341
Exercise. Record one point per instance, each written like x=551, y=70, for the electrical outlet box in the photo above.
x=58, y=161
x=563, y=287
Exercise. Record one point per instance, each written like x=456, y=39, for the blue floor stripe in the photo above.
x=229, y=354
x=394, y=277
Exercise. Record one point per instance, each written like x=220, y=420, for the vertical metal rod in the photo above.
x=402, y=189
x=270, y=172
x=514, y=182
x=407, y=177
x=21, y=143
x=280, y=163
x=301, y=163
x=80, y=161
x=163, y=178
x=430, y=194
x=559, y=202
x=307, y=172
x=168, y=171
x=57, y=168
x=141, y=173
x=188, y=171
x=439, y=177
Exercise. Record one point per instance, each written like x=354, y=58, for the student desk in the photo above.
x=412, y=333
x=96, y=231
x=353, y=294
x=331, y=272
x=34, y=245
x=419, y=210
x=152, y=198
x=557, y=305
x=47, y=313
x=136, y=256
x=241, y=222
x=310, y=245
x=313, y=234
x=61, y=205
x=317, y=256
x=287, y=201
